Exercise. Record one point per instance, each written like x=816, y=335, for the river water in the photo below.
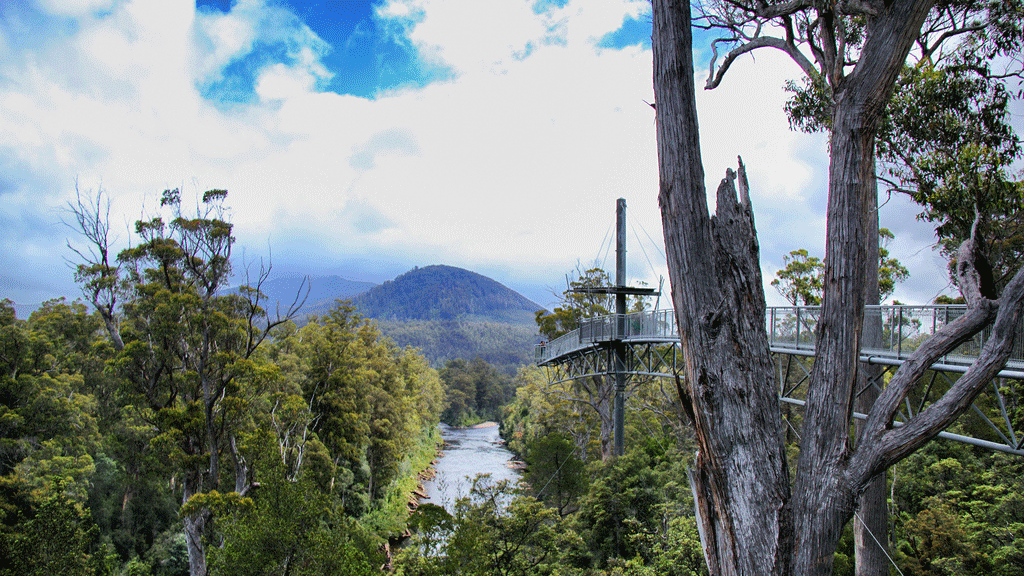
x=467, y=452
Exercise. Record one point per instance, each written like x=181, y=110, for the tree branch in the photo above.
x=883, y=445
x=765, y=11
x=858, y=7
x=759, y=42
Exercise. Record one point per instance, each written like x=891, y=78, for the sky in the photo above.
x=363, y=138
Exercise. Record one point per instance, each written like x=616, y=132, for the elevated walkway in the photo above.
x=651, y=345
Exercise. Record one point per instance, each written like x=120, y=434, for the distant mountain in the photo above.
x=445, y=293
x=444, y=311
x=323, y=291
x=451, y=313
x=505, y=345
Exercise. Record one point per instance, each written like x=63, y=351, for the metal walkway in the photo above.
x=651, y=344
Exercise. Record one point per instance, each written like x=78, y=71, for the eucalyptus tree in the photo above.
x=186, y=345
x=945, y=139
x=369, y=400
x=753, y=521
x=801, y=281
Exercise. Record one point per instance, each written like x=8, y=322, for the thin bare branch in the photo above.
x=760, y=42
x=884, y=445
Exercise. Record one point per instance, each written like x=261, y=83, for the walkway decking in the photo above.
x=791, y=330
x=649, y=342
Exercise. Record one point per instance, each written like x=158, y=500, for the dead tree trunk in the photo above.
x=751, y=524
x=741, y=480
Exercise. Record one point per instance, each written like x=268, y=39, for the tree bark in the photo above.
x=750, y=523
x=826, y=500
x=741, y=482
x=870, y=529
x=194, y=524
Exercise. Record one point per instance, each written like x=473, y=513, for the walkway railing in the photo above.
x=656, y=325
x=792, y=328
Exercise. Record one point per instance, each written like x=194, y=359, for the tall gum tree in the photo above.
x=186, y=350
x=751, y=520
x=977, y=42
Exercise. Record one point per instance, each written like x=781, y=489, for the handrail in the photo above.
x=904, y=328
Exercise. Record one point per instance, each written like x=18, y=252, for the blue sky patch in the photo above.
x=365, y=55
x=221, y=5
x=631, y=33
x=541, y=6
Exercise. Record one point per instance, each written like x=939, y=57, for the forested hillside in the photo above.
x=450, y=313
x=444, y=293
x=179, y=428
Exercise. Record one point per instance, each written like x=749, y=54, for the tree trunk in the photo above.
x=110, y=323
x=749, y=524
x=826, y=499
x=741, y=483
x=194, y=523
x=870, y=529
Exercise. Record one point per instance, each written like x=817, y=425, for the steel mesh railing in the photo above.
x=904, y=328
x=650, y=325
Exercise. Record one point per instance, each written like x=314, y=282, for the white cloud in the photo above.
x=75, y=8
x=513, y=165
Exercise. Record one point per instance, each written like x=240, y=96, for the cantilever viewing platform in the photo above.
x=791, y=330
x=648, y=344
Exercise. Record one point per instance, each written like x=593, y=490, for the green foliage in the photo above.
x=949, y=143
x=290, y=528
x=800, y=282
x=634, y=517
x=175, y=395
x=946, y=138
x=890, y=271
x=958, y=510
x=679, y=552
x=370, y=400
x=526, y=416
x=48, y=426
x=555, y=472
x=621, y=508
x=474, y=391
x=495, y=530
x=59, y=539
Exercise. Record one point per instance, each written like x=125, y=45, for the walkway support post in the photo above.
x=620, y=325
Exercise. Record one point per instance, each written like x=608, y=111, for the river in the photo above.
x=468, y=452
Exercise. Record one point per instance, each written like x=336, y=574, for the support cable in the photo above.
x=557, y=470
x=653, y=243
x=791, y=427
x=646, y=257
x=598, y=260
x=875, y=538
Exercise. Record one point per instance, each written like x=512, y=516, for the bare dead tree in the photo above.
x=752, y=521
x=96, y=270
